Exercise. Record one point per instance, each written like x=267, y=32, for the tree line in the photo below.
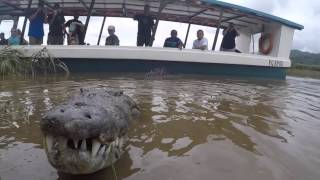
x=306, y=58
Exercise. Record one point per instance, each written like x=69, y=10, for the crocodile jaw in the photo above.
x=82, y=156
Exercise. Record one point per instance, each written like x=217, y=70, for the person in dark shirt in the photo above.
x=173, y=41
x=75, y=29
x=112, y=39
x=56, y=26
x=3, y=40
x=145, y=25
x=229, y=37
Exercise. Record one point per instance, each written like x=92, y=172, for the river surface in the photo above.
x=191, y=127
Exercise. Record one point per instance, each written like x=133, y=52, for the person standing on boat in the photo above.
x=112, y=39
x=3, y=40
x=56, y=26
x=229, y=39
x=145, y=25
x=173, y=41
x=37, y=19
x=76, y=29
x=201, y=42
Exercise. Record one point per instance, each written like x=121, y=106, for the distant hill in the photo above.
x=304, y=58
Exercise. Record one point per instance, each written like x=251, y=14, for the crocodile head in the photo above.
x=88, y=132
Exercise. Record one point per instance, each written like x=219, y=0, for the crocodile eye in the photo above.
x=62, y=110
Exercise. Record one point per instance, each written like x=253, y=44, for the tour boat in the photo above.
x=270, y=61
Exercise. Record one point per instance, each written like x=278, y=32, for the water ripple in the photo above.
x=180, y=115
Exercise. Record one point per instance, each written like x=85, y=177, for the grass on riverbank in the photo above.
x=305, y=70
x=14, y=62
x=306, y=67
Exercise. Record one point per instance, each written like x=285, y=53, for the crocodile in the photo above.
x=89, y=131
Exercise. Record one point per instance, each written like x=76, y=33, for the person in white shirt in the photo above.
x=201, y=42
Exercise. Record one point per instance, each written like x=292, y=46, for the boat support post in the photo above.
x=88, y=18
x=84, y=5
x=15, y=21
x=102, y=26
x=189, y=25
x=187, y=35
x=47, y=4
x=252, y=39
x=217, y=31
x=25, y=22
x=162, y=5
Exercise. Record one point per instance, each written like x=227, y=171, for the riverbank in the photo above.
x=305, y=70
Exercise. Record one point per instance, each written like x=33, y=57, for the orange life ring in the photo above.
x=263, y=39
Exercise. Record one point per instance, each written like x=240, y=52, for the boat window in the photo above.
x=5, y=27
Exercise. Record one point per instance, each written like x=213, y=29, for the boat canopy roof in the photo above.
x=200, y=12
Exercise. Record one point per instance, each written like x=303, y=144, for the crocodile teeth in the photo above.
x=95, y=147
x=102, y=150
x=108, y=150
x=75, y=142
x=84, y=145
x=49, y=142
x=116, y=143
x=121, y=142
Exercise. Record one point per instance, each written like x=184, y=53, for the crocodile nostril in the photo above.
x=52, y=120
x=79, y=104
x=62, y=110
x=87, y=115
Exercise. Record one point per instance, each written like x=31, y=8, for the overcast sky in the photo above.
x=306, y=13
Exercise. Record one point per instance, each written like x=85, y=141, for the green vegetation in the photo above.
x=304, y=73
x=12, y=61
x=305, y=64
x=306, y=67
x=15, y=62
x=305, y=58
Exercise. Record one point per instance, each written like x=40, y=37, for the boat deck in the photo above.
x=174, y=61
x=159, y=54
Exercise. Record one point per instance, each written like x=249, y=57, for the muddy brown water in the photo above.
x=190, y=128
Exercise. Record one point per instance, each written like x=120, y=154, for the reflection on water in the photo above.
x=191, y=127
